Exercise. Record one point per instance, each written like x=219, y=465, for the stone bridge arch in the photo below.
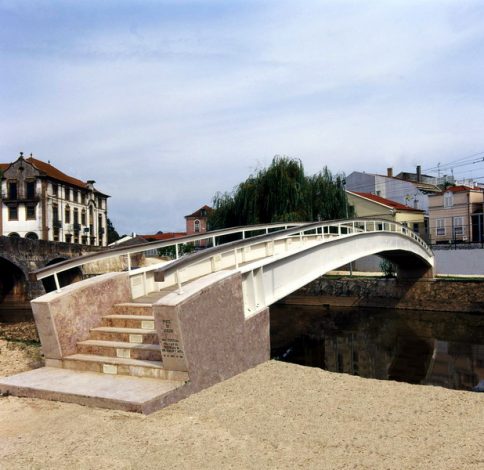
x=14, y=286
x=20, y=256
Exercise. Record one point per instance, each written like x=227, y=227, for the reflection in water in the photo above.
x=434, y=348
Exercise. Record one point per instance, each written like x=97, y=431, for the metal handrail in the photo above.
x=176, y=266
x=297, y=228
x=57, y=268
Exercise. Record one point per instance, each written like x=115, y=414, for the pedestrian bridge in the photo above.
x=163, y=329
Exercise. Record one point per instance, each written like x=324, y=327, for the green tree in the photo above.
x=281, y=193
x=112, y=234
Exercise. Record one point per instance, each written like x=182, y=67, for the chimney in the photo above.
x=419, y=174
x=390, y=172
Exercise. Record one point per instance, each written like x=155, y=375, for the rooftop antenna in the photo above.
x=438, y=169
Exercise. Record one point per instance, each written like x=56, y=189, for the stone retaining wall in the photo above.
x=436, y=294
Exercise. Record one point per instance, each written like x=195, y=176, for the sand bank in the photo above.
x=276, y=415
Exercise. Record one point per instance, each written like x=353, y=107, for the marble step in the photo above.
x=121, y=366
x=145, y=322
x=150, y=352
x=119, y=392
x=132, y=308
x=125, y=335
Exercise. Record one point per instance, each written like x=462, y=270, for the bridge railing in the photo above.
x=278, y=239
x=243, y=252
x=127, y=251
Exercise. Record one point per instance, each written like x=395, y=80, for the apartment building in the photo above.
x=39, y=201
x=456, y=215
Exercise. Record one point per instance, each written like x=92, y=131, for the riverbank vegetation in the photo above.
x=281, y=193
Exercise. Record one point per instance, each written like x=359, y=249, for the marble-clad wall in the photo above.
x=64, y=318
x=204, y=331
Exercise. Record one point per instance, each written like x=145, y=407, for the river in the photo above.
x=418, y=347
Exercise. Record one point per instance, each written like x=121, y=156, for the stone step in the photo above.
x=133, y=308
x=145, y=322
x=149, y=352
x=121, y=366
x=125, y=335
x=119, y=392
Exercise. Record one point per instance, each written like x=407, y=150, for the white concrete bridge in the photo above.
x=150, y=335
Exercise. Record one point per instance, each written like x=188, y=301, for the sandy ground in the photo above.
x=276, y=415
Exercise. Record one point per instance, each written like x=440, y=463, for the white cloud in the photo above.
x=168, y=103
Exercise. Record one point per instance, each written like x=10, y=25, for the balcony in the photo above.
x=16, y=197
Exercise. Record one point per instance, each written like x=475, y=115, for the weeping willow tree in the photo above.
x=281, y=193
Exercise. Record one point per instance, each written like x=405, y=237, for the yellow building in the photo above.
x=371, y=205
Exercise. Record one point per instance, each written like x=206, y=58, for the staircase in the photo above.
x=119, y=366
x=126, y=343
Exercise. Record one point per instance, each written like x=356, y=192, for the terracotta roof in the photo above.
x=163, y=236
x=54, y=173
x=200, y=212
x=459, y=189
x=386, y=202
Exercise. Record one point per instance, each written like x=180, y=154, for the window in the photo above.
x=12, y=213
x=68, y=194
x=100, y=228
x=67, y=217
x=196, y=226
x=448, y=199
x=83, y=217
x=30, y=209
x=76, y=196
x=415, y=228
x=440, y=227
x=77, y=227
x=55, y=189
x=12, y=190
x=30, y=189
x=458, y=223
x=55, y=214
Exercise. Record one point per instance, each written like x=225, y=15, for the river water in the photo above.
x=418, y=347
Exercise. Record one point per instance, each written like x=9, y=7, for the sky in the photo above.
x=165, y=103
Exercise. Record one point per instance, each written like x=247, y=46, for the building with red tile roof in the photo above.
x=41, y=202
x=197, y=223
x=387, y=202
x=160, y=236
x=371, y=205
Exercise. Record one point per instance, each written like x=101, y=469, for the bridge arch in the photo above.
x=13, y=282
x=274, y=278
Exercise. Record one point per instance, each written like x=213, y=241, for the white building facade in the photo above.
x=38, y=201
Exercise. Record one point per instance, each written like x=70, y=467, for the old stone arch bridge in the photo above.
x=19, y=257
x=143, y=338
